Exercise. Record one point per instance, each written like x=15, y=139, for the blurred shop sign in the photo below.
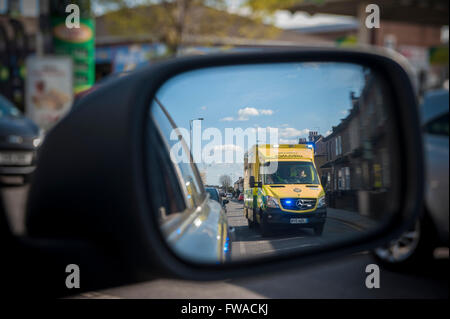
x=128, y=57
x=78, y=43
x=438, y=55
x=48, y=89
x=127, y=60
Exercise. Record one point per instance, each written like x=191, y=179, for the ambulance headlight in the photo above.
x=272, y=202
x=321, y=202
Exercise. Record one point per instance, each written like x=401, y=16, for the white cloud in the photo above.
x=328, y=133
x=286, y=135
x=266, y=112
x=288, y=132
x=245, y=113
x=227, y=119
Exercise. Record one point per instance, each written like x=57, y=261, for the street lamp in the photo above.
x=190, y=133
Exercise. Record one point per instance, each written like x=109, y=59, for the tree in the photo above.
x=265, y=7
x=225, y=182
x=171, y=21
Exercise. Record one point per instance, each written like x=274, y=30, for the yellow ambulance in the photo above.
x=282, y=187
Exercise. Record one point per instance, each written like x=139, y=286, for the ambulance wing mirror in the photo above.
x=252, y=182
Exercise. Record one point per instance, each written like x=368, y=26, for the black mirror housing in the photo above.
x=112, y=181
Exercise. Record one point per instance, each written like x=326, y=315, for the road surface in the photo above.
x=249, y=242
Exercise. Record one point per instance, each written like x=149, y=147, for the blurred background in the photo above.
x=47, y=61
x=116, y=36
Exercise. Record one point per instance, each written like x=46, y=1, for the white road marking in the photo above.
x=287, y=248
x=242, y=249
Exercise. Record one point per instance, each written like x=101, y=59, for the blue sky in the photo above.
x=292, y=97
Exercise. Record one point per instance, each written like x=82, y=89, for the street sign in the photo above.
x=77, y=42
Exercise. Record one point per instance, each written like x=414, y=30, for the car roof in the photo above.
x=7, y=103
x=435, y=104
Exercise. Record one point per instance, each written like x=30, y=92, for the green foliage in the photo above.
x=225, y=182
x=170, y=22
x=269, y=6
x=265, y=8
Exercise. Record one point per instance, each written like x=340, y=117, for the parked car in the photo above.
x=214, y=195
x=208, y=238
x=241, y=197
x=19, y=140
x=416, y=246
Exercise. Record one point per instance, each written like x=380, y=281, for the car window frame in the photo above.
x=203, y=196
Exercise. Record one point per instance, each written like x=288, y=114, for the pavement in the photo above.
x=336, y=278
x=354, y=219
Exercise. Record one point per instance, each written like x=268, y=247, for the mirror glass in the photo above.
x=285, y=157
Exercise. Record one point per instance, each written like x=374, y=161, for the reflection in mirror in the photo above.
x=302, y=153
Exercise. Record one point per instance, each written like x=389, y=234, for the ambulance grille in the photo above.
x=298, y=203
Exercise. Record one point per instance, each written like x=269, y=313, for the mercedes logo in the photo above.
x=302, y=204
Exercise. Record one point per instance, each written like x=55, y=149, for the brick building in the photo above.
x=353, y=161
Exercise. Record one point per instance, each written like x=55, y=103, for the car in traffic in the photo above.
x=20, y=139
x=207, y=238
x=215, y=195
x=241, y=197
x=415, y=247
x=287, y=193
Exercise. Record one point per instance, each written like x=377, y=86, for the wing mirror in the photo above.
x=253, y=184
x=130, y=181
